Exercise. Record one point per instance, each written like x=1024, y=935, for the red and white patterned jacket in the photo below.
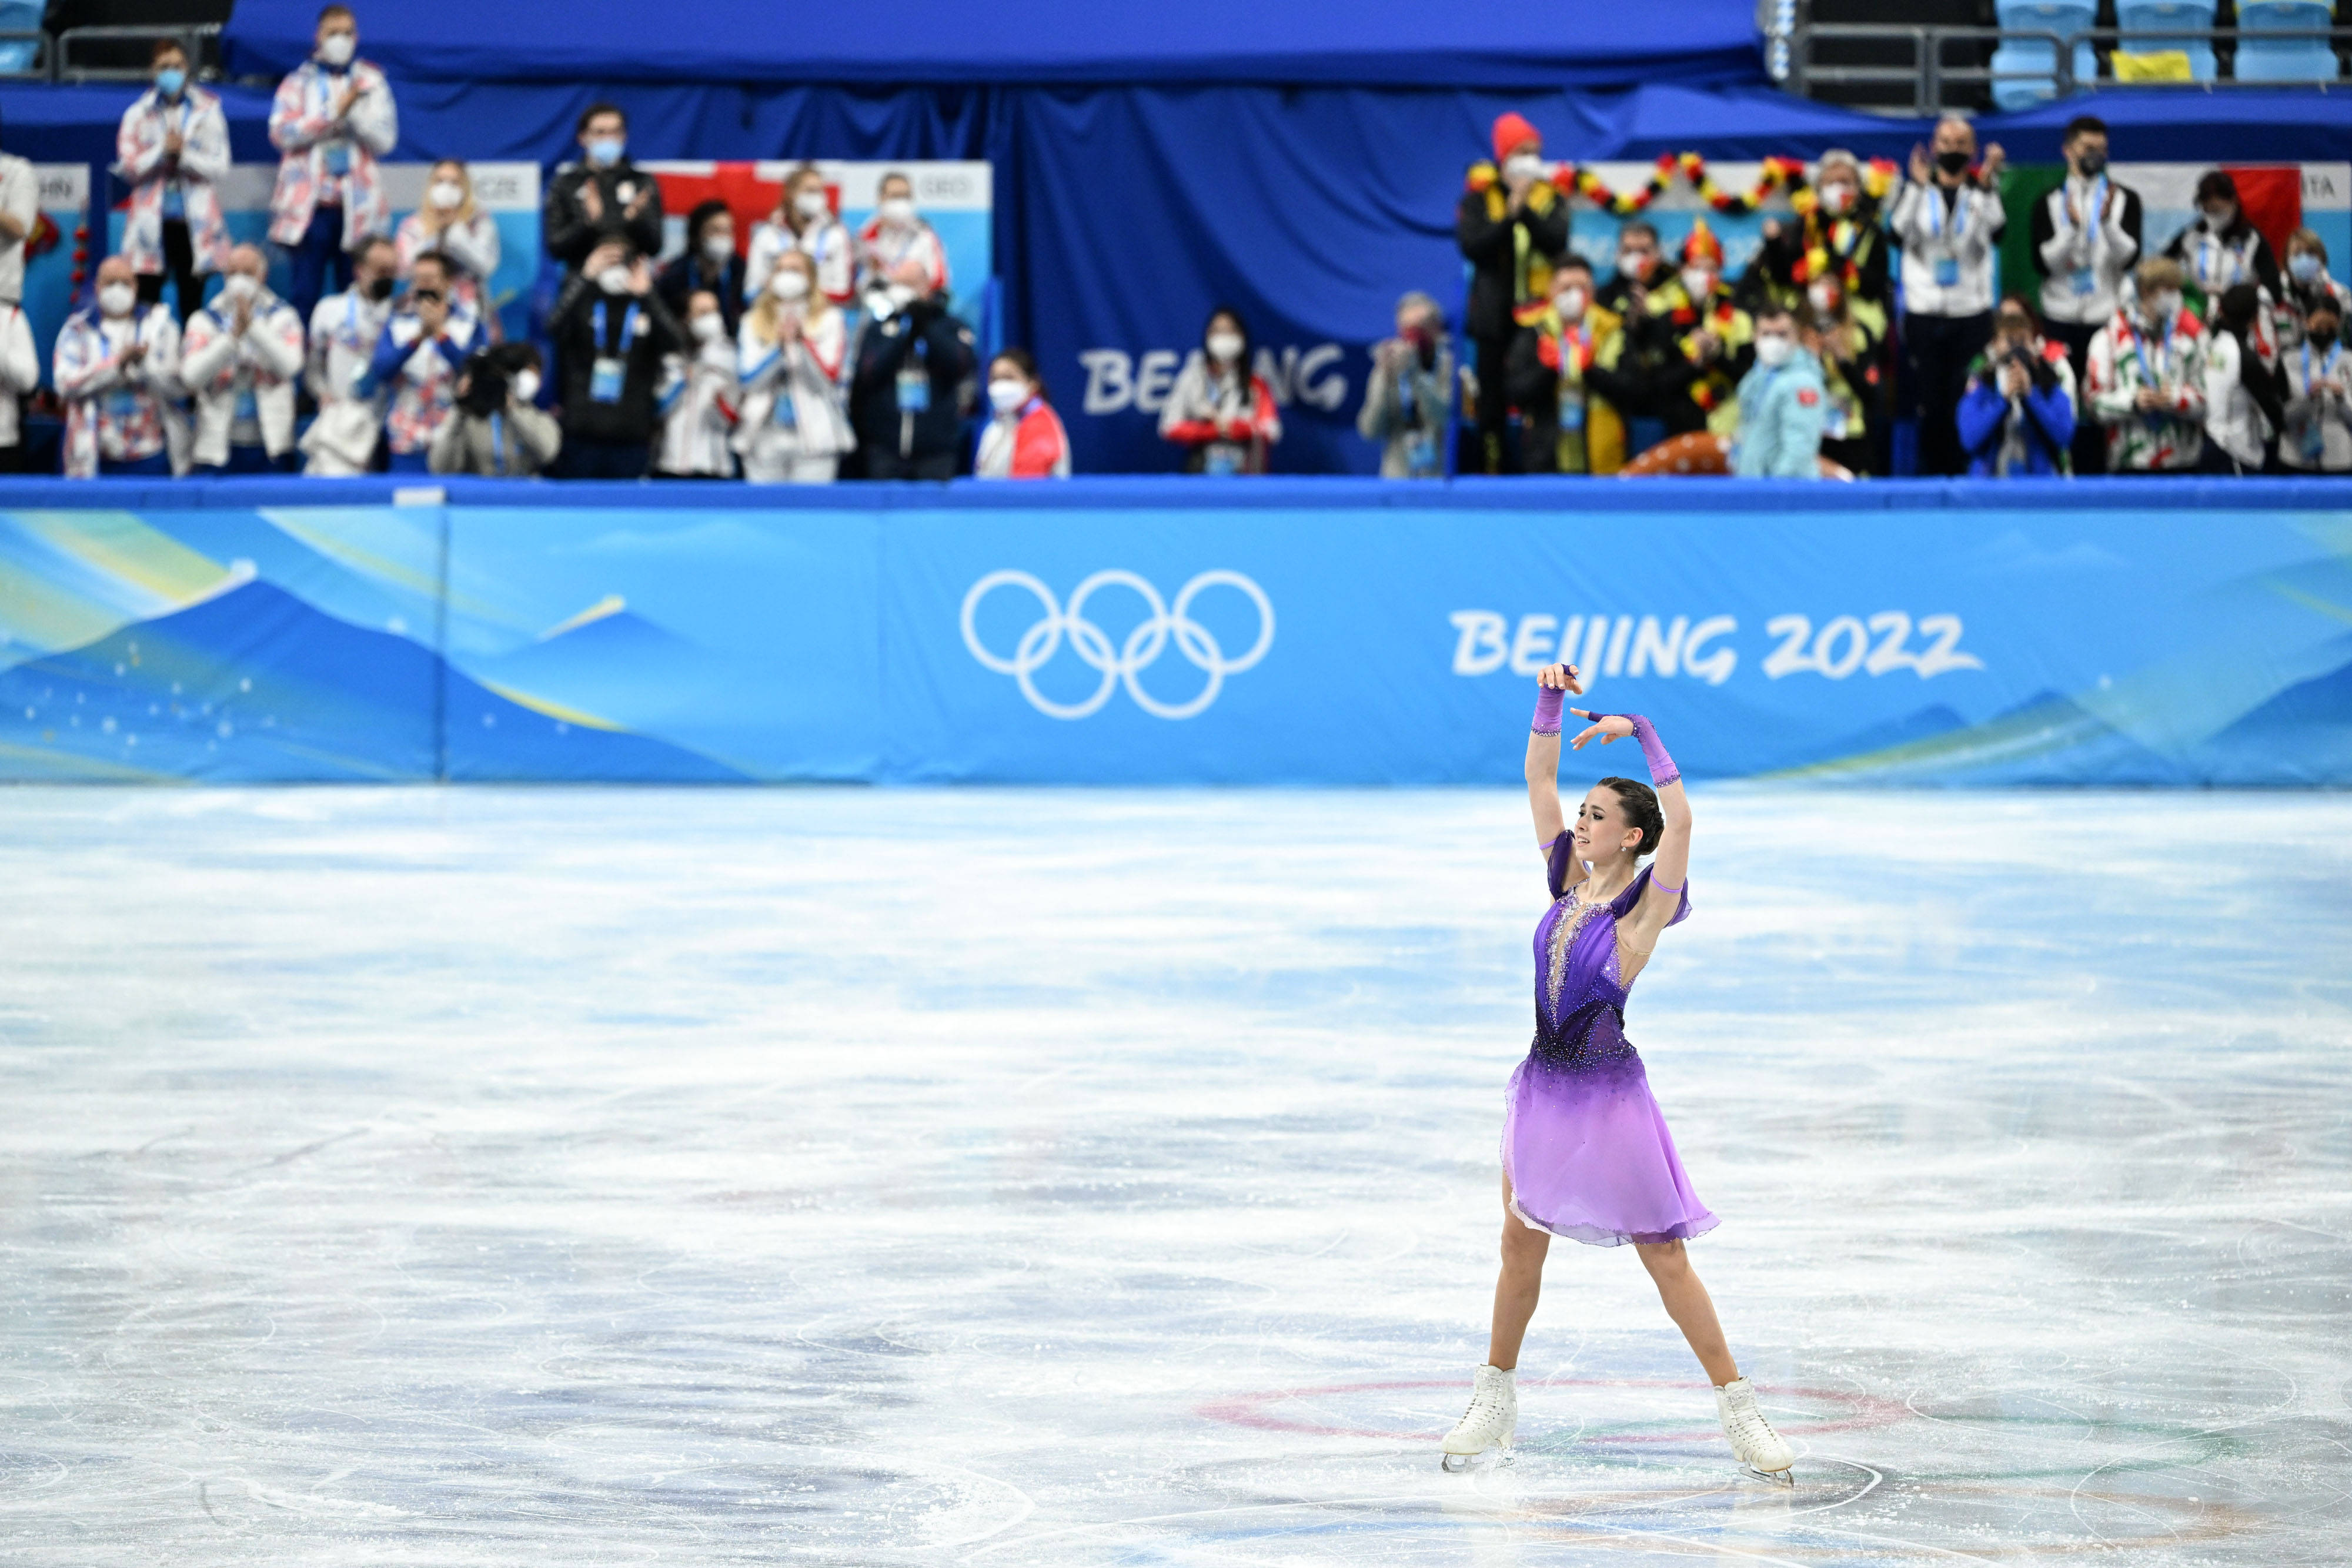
x=300, y=128
x=115, y=410
x=203, y=159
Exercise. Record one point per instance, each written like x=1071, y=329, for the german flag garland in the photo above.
x=1877, y=179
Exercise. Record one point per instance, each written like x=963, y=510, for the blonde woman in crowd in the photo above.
x=451, y=225
x=803, y=221
x=795, y=345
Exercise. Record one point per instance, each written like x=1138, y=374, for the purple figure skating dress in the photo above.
x=1587, y=1152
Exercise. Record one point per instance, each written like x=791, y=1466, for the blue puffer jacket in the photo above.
x=1782, y=408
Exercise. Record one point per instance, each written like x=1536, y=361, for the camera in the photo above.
x=487, y=384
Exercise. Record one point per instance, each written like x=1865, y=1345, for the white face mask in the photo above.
x=526, y=386
x=1837, y=200
x=707, y=325
x=788, y=284
x=1822, y=297
x=1225, y=347
x=718, y=249
x=1772, y=352
x=898, y=212
x=1004, y=396
x=614, y=279
x=1569, y=303
x=1522, y=166
x=446, y=195
x=811, y=204
x=902, y=295
x=2167, y=304
x=336, y=48
x=239, y=286
x=116, y=298
x=1699, y=283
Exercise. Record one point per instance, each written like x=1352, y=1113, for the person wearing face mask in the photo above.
x=700, y=398
x=333, y=119
x=708, y=264
x=116, y=371
x=1024, y=438
x=2245, y=392
x=1695, y=343
x=494, y=428
x=611, y=332
x=2085, y=241
x=20, y=378
x=2148, y=377
x=2306, y=285
x=451, y=225
x=604, y=198
x=805, y=221
x=895, y=236
x=240, y=361
x=1782, y=404
x=792, y=350
x=1847, y=336
x=1948, y=222
x=1569, y=380
x=1409, y=401
x=2017, y=418
x=1220, y=410
x=173, y=146
x=1511, y=220
x=416, y=360
x=914, y=381
x=2317, y=438
x=1835, y=238
x=2220, y=249
x=344, y=332
x=1637, y=268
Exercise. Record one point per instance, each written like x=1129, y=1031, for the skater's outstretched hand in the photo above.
x=1613, y=727
x=1562, y=678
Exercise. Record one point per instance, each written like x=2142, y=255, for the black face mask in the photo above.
x=379, y=288
x=2093, y=164
x=2323, y=336
x=1952, y=162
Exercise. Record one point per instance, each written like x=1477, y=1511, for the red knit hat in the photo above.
x=1511, y=131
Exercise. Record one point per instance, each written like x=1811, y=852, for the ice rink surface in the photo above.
x=481, y=1176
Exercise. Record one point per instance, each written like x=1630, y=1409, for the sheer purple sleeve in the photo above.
x=1663, y=771
x=1548, y=704
x=1557, y=860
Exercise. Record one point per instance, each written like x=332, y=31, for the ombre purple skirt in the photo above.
x=1587, y=1152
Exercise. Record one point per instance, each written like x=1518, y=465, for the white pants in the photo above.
x=759, y=470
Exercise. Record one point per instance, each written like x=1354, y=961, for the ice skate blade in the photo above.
x=1454, y=1464
x=1786, y=1478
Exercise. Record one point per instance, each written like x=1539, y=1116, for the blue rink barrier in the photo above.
x=1160, y=631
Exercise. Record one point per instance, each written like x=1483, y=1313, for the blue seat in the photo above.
x=17, y=55
x=2150, y=26
x=2035, y=55
x=2285, y=60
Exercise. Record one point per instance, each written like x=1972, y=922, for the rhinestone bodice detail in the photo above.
x=1580, y=994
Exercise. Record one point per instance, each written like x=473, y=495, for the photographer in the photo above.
x=496, y=428
x=1409, y=405
x=2017, y=416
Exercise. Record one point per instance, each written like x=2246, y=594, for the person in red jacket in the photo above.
x=1220, y=408
x=1025, y=440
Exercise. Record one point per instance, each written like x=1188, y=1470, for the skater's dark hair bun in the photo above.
x=1641, y=810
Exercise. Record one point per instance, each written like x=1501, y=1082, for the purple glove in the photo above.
x=1663, y=771
x=1548, y=703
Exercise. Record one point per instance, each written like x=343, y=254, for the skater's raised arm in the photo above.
x=1670, y=870
x=1554, y=686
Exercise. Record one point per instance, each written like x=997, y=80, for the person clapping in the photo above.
x=700, y=398
x=2318, y=438
x=118, y=369
x=793, y=348
x=805, y=221
x=611, y=332
x=452, y=225
x=604, y=199
x=2017, y=416
x=239, y=361
x=416, y=360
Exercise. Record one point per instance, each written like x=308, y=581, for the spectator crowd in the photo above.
x=802, y=352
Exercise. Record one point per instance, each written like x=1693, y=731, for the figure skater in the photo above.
x=1585, y=1152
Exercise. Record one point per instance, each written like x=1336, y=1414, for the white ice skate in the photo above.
x=1763, y=1452
x=1491, y=1422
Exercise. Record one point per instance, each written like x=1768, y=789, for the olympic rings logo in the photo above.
x=1093, y=645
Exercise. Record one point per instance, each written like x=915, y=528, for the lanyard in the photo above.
x=628, y=329
x=1936, y=212
x=2327, y=366
x=498, y=443
x=2163, y=352
x=2210, y=252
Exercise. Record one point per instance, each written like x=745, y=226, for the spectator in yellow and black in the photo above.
x=1948, y=220
x=2307, y=284
x=2220, y=249
x=611, y=332
x=1835, y=236
x=1637, y=268
x=710, y=263
x=1569, y=379
x=1409, y=401
x=1511, y=222
x=1700, y=342
x=605, y=197
x=1848, y=335
x=2086, y=240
